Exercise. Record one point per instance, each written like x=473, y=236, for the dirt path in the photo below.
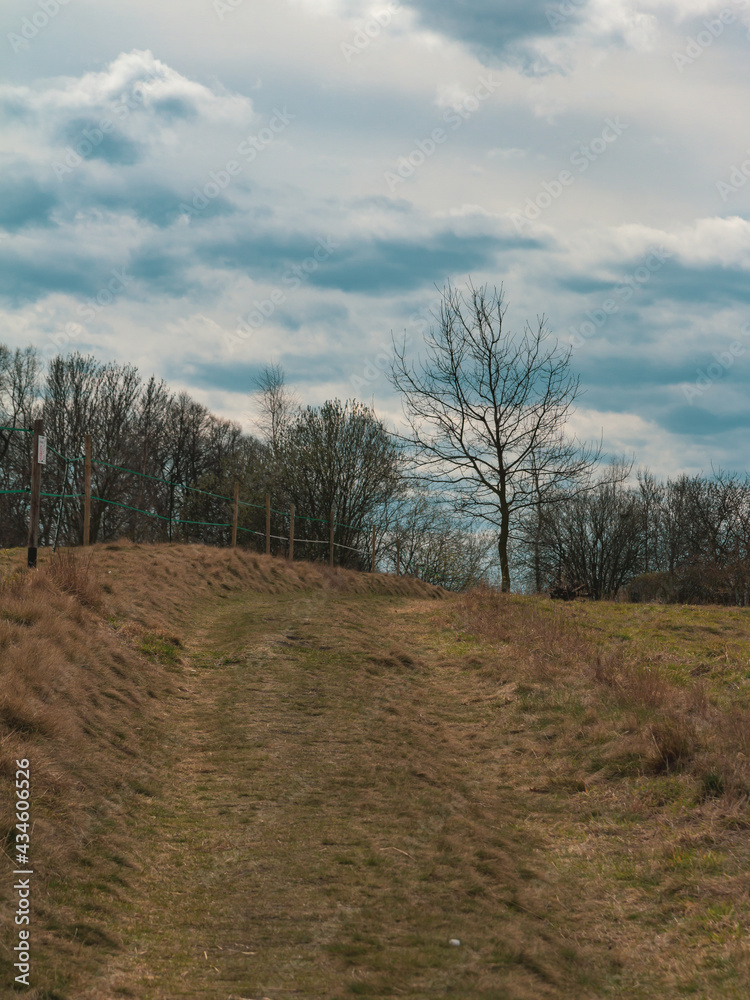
x=336, y=806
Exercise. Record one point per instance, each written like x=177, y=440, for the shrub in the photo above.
x=650, y=587
x=675, y=742
x=712, y=785
x=71, y=572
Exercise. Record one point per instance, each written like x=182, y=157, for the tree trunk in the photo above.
x=502, y=548
x=538, y=551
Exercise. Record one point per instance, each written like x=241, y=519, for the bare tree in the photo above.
x=339, y=456
x=277, y=405
x=434, y=545
x=596, y=538
x=487, y=413
x=652, y=495
x=19, y=390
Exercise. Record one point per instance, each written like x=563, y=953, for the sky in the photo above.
x=204, y=188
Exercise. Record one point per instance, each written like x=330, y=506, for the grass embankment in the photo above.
x=633, y=724
x=92, y=691
x=256, y=780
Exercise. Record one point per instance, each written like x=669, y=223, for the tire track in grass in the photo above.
x=335, y=808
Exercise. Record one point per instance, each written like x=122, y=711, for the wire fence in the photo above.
x=240, y=520
x=76, y=514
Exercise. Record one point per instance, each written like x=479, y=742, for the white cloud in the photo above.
x=632, y=436
x=712, y=241
x=208, y=84
x=140, y=71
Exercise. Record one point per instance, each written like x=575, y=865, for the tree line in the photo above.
x=682, y=540
x=485, y=461
x=164, y=466
x=487, y=413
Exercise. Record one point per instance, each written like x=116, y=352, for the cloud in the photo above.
x=490, y=28
x=163, y=271
x=710, y=286
x=137, y=111
x=114, y=148
x=176, y=113
x=389, y=266
x=149, y=201
x=697, y=421
x=538, y=35
x=132, y=140
x=358, y=264
x=33, y=274
x=25, y=202
x=175, y=108
x=131, y=80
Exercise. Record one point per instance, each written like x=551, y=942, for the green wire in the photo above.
x=157, y=479
x=50, y=448
x=148, y=513
x=297, y=517
x=167, y=482
x=260, y=506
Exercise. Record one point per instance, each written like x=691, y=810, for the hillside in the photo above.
x=251, y=779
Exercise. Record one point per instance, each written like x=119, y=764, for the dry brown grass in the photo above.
x=75, y=701
x=645, y=759
x=72, y=573
x=344, y=810
x=256, y=779
x=161, y=585
x=90, y=652
x=683, y=722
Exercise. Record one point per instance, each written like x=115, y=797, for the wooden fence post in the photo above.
x=87, y=491
x=36, y=493
x=330, y=546
x=372, y=568
x=235, y=514
x=171, y=507
x=291, y=533
x=268, y=524
x=398, y=557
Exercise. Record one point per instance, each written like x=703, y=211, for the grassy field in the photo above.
x=263, y=781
